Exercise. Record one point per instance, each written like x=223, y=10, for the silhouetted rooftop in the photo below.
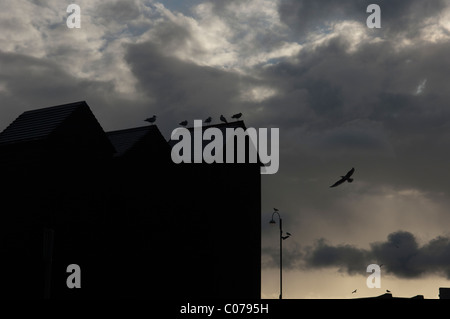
x=389, y=296
x=124, y=140
x=38, y=124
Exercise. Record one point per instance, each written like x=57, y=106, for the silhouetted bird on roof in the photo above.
x=184, y=123
x=151, y=120
x=345, y=178
x=223, y=119
x=387, y=290
x=208, y=120
x=237, y=116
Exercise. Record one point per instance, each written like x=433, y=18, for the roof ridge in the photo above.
x=67, y=105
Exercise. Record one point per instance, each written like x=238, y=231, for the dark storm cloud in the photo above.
x=400, y=16
x=354, y=105
x=400, y=255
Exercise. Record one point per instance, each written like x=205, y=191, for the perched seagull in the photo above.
x=345, y=178
x=237, y=116
x=208, y=120
x=184, y=123
x=151, y=120
x=354, y=291
x=223, y=119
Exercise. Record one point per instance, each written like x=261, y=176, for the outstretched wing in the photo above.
x=339, y=182
x=350, y=173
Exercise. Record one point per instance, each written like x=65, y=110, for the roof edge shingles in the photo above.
x=39, y=123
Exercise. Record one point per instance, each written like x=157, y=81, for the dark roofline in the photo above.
x=54, y=106
x=126, y=139
x=128, y=130
x=38, y=124
x=234, y=124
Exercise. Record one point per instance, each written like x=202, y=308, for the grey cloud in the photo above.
x=119, y=10
x=28, y=83
x=182, y=89
x=401, y=16
x=400, y=255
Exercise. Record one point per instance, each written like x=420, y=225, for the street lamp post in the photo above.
x=272, y=221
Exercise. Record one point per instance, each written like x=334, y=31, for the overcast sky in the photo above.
x=342, y=95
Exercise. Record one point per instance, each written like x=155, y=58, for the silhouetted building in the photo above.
x=137, y=224
x=444, y=293
x=389, y=296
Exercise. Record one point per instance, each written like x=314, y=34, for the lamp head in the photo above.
x=272, y=221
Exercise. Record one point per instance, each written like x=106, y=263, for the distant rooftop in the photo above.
x=124, y=140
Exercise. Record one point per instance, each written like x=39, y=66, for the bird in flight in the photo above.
x=354, y=291
x=184, y=123
x=151, y=120
x=223, y=119
x=345, y=178
x=208, y=120
x=237, y=116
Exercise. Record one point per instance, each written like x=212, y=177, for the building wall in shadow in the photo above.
x=138, y=225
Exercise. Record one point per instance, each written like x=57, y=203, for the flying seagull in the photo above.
x=354, y=291
x=184, y=123
x=237, y=116
x=208, y=120
x=151, y=120
x=345, y=178
x=223, y=119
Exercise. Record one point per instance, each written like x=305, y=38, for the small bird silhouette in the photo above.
x=275, y=209
x=151, y=120
x=354, y=291
x=184, y=123
x=345, y=178
x=223, y=119
x=387, y=290
x=237, y=116
x=208, y=120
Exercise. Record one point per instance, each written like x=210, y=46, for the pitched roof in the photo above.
x=38, y=124
x=124, y=140
x=145, y=139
